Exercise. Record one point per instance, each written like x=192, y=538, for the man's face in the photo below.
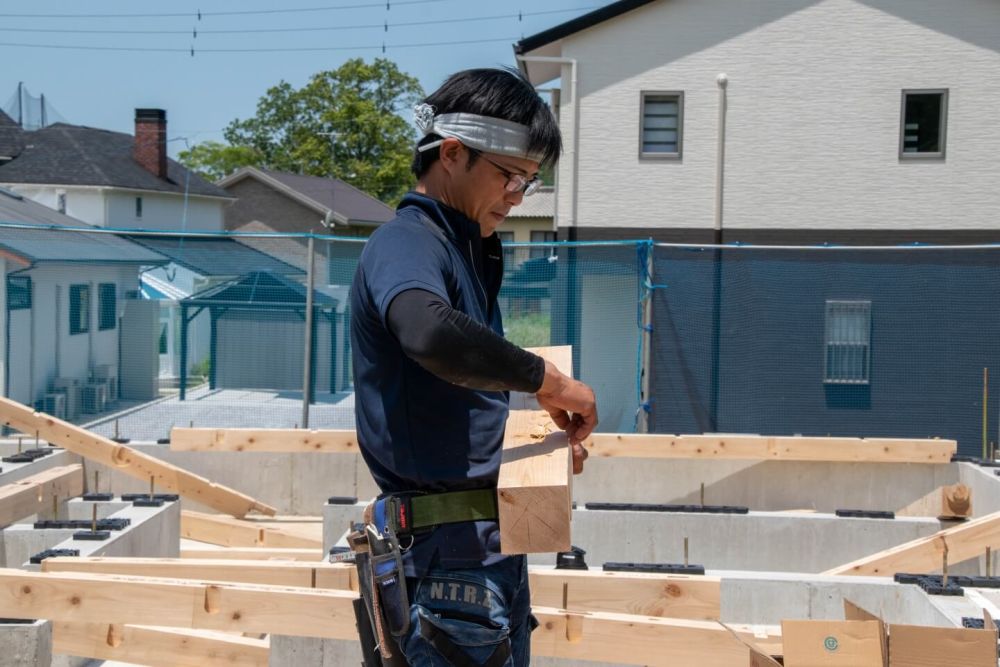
x=482, y=189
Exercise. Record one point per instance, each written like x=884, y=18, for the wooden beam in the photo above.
x=252, y=553
x=34, y=494
x=771, y=448
x=666, y=595
x=229, y=532
x=158, y=647
x=638, y=640
x=924, y=555
x=124, y=459
x=945, y=502
x=534, y=490
x=176, y=603
x=269, y=573
x=283, y=440
x=641, y=594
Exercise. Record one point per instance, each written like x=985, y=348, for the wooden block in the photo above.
x=124, y=459
x=227, y=531
x=639, y=640
x=924, y=555
x=638, y=593
x=253, y=553
x=166, y=647
x=111, y=599
x=534, y=490
x=833, y=643
x=282, y=440
x=945, y=502
x=771, y=448
x=34, y=494
x=920, y=646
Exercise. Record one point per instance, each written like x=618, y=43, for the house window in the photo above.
x=848, y=342
x=138, y=207
x=79, y=309
x=544, y=251
x=107, y=306
x=661, y=124
x=924, y=118
x=18, y=292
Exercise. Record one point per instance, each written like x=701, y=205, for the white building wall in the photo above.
x=813, y=121
x=42, y=348
x=164, y=212
x=82, y=203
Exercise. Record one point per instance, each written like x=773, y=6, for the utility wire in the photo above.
x=385, y=25
x=193, y=51
x=247, y=12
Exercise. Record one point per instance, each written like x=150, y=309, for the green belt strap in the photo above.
x=453, y=507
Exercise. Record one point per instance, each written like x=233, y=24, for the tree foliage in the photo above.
x=214, y=160
x=344, y=123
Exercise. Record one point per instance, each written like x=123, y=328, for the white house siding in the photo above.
x=813, y=120
x=82, y=203
x=164, y=212
x=41, y=347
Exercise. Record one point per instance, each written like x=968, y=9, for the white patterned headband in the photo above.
x=484, y=133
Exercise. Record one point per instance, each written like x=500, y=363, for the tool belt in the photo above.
x=378, y=555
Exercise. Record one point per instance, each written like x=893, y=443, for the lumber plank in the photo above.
x=771, y=448
x=252, y=553
x=178, y=603
x=952, y=501
x=638, y=640
x=158, y=647
x=282, y=440
x=643, y=594
x=534, y=489
x=34, y=494
x=230, y=532
x=129, y=461
x=637, y=593
x=924, y=555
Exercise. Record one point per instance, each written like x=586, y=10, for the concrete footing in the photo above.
x=26, y=644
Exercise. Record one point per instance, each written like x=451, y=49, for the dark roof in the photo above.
x=214, y=256
x=568, y=28
x=55, y=245
x=63, y=154
x=259, y=288
x=289, y=250
x=11, y=139
x=331, y=194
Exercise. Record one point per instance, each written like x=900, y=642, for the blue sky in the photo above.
x=202, y=94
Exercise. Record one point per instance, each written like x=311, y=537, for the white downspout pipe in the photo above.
x=574, y=146
x=722, y=81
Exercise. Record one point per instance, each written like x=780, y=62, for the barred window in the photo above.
x=79, y=309
x=924, y=120
x=107, y=306
x=18, y=292
x=661, y=125
x=848, y=342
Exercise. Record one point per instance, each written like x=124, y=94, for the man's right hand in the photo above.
x=572, y=406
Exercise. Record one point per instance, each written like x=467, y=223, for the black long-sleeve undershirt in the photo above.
x=456, y=348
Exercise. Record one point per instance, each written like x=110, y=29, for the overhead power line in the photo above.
x=192, y=51
x=245, y=12
x=386, y=25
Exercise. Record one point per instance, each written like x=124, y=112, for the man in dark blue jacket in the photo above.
x=433, y=371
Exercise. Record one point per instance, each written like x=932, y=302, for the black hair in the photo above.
x=498, y=93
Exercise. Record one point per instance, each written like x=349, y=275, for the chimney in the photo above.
x=150, y=148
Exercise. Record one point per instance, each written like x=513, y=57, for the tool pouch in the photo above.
x=388, y=578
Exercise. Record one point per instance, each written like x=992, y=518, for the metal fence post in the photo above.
x=307, y=359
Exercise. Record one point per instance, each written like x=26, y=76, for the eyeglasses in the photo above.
x=515, y=182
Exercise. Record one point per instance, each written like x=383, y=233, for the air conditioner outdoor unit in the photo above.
x=95, y=397
x=54, y=405
x=71, y=388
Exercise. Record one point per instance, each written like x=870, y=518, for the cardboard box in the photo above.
x=756, y=657
x=857, y=641
x=922, y=646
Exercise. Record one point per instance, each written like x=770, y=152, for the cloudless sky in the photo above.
x=203, y=93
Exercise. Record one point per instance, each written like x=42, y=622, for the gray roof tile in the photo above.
x=215, y=256
x=76, y=155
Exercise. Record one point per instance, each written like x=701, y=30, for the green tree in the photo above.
x=343, y=123
x=214, y=160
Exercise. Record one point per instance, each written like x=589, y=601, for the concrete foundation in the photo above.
x=758, y=541
x=28, y=644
